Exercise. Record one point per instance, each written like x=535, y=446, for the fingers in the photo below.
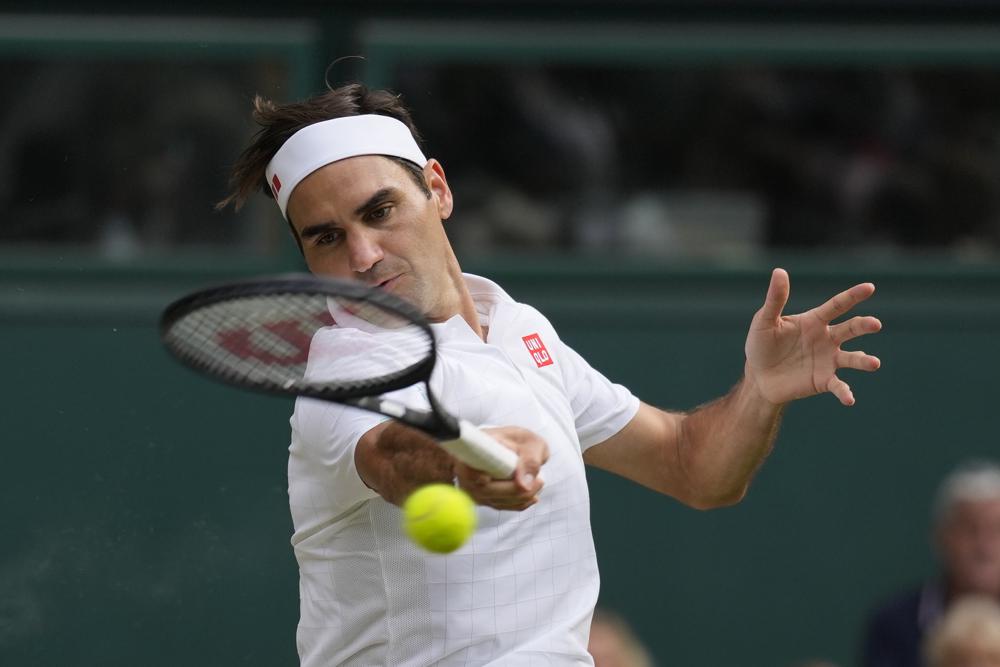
x=777, y=295
x=519, y=492
x=854, y=327
x=841, y=390
x=844, y=301
x=857, y=360
x=531, y=458
x=501, y=494
x=845, y=331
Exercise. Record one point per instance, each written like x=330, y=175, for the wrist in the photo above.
x=756, y=392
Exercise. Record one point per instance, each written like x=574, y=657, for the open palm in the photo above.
x=794, y=356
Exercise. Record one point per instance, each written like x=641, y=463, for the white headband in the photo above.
x=319, y=144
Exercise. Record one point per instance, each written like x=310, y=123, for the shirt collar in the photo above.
x=486, y=295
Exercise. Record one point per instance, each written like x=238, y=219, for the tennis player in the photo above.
x=364, y=203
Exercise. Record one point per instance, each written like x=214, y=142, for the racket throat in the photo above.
x=435, y=423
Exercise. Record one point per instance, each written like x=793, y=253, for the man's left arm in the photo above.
x=706, y=458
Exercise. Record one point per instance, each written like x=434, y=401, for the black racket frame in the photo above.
x=362, y=394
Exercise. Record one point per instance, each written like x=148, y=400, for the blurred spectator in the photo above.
x=604, y=155
x=966, y=531
x=967, y=636
x=137, y=164
x=613, y=644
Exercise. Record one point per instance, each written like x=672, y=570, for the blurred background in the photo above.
x=632, y=168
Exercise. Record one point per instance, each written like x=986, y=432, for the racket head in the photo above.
x=301, y=335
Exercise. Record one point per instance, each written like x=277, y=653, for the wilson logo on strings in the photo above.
x=277, y=343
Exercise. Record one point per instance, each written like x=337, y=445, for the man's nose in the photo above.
x=364, y=251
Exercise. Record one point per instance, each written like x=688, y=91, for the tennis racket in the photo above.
x=333, y=340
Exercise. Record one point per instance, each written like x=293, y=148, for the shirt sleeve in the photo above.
x=601, y=408
x=323, y=479
x=322, y=475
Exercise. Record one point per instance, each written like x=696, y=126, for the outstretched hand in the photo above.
x=794, y=356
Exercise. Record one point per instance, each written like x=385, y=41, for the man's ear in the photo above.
x=438, y=184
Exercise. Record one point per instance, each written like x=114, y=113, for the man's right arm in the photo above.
x=395, y=460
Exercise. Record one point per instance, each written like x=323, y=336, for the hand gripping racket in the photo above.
x=328, y=339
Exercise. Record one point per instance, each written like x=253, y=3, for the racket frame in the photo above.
x=436, y=422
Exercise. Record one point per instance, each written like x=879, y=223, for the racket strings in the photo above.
x=299, y=343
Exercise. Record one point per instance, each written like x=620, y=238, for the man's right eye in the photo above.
x=328, y=238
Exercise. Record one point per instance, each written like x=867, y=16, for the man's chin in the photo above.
x=407, y=294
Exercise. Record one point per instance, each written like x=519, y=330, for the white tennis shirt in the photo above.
x=522, y=590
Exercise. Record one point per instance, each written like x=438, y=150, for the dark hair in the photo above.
x=278, y=122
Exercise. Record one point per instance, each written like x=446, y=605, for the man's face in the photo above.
x=969, y=541
x=364, y=218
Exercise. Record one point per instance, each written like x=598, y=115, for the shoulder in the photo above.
x=893, y=632
x=899, y=610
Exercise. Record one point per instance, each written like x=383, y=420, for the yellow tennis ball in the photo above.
x=439, y=517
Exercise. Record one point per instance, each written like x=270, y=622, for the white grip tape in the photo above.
x=478, y=450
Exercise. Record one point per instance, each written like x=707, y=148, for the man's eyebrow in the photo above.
x=374, y=200
x=316, y=230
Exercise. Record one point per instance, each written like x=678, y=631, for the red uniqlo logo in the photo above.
x=537, y=349
x=275, y=184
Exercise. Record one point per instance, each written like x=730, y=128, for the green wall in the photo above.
x=144, y=509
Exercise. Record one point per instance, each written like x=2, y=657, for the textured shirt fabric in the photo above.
x=522, y=590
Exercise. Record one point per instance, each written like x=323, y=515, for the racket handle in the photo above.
x=478, y=450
